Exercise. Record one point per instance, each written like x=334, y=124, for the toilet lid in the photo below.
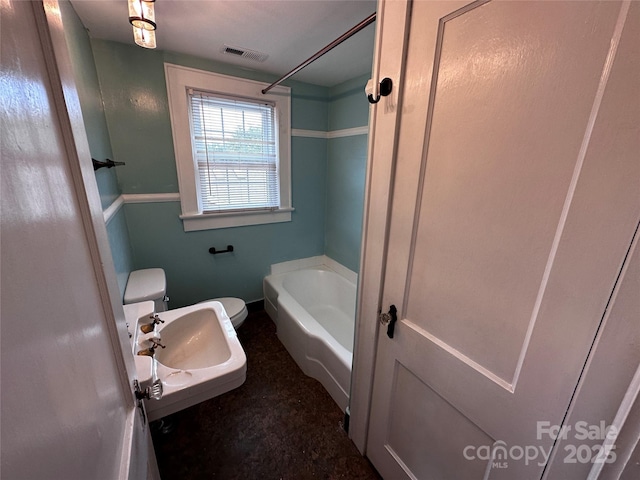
x=233, y=306
x=146, y=284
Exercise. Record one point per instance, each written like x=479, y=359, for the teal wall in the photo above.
x=124, y=102
x=346, y=165
x=137, y=113
x=118, y=233
x=95, y=123
x=90, y=100
x=348, y=106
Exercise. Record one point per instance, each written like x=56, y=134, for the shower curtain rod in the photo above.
x=367, y=21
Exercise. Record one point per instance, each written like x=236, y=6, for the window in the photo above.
x=235, y=150
x=232, y=146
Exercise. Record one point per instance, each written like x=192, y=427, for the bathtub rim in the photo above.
x=318, y=261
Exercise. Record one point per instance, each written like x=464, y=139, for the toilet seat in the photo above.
x=235, y=307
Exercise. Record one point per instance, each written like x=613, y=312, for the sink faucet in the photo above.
x=148, y=328
x=149, y=352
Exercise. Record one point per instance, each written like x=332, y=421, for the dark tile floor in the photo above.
x=280, y=424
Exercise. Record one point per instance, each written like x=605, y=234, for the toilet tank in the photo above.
x=147, y=284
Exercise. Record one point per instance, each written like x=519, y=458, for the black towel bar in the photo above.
x=213, y=250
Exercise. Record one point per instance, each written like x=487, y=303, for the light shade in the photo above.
x=142, y=14
x=144, y=38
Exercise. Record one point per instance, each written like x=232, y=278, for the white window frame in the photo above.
x=179, y=81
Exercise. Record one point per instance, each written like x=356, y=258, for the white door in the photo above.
x=514, y=203
x=68, y=410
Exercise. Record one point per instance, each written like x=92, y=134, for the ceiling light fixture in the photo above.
x=143, y=18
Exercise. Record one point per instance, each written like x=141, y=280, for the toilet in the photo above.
x=151, y=284
x=145, y=285
x=235, y=307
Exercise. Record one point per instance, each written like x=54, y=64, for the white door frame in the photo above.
x=392, y=29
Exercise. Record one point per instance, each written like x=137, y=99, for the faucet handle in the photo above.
x=155, y=343
x=156, y=319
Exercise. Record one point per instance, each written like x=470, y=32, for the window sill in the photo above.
x=210, y=221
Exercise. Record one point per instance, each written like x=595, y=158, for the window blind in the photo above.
x=235, y=150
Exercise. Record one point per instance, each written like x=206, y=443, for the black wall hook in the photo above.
x=107, y=163
x=213, y=250
x=386, y=85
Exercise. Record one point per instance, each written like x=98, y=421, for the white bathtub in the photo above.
x=314, y=312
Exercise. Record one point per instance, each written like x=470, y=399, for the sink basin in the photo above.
x=195, y=340
x=202, y=357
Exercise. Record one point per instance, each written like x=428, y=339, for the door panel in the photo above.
x=507, y=231
x=491, y=209
x=415, y=447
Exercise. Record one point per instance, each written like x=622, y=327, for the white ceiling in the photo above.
x=289, y=31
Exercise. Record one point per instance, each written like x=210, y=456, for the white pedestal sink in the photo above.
x=202, y=357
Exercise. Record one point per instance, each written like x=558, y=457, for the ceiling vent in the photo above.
x=244, y=53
